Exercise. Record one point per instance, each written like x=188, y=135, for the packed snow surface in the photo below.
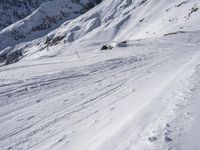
x=142, y=96
x=123, y=76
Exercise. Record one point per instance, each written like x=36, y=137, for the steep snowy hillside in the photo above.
x=112, y=20
x=14, y=10
x=121, y=20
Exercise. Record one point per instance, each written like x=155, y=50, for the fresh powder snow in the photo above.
x=110, y=75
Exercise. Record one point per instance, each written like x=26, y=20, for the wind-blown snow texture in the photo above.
x=124, y=75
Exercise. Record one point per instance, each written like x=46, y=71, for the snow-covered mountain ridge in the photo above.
x=13, y=10
x=112, y=20
x=44, y=19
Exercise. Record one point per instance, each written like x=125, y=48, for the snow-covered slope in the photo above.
x=125, y=75
x=112, y=20
x=121, y=20
x=144, y=96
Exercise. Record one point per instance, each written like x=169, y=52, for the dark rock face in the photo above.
x=14, y=10
x=90, y=4
x=13, y=56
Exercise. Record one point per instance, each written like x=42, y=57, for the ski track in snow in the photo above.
x=122, y=102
